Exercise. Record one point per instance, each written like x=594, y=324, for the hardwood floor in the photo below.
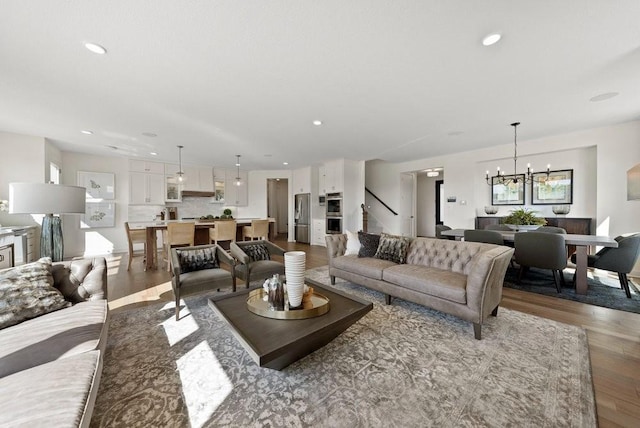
x=614, y=336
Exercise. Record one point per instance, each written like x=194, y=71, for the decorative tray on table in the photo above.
x=313, y=305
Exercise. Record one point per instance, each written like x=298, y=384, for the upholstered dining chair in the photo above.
x=541, y=250
x=224, y=230
x=254, y=260
x=199, y=268
x=620, y=260
x=487, y=236
x=179, y=234
x=259, y=229
x=551, y=229
x=502, y=227
x=135, y=236
x=441, y=228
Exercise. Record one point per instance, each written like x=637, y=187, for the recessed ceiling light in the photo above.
x=149, y=134
x=317, y=122
x=433, y=174
x=153, y=154
x=603, y=97
x=95, y=48
x=491, y=39
x=87, y=132
x=285, y=163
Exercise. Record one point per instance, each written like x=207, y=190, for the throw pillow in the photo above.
x=198, y=259
x=392, y=247
x=353, y=244
x=257, y=252
x=27, y=292
x=369, y=244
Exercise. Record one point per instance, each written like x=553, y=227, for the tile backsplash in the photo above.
x=190, y=207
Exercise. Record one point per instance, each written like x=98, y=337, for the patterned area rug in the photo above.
x=603, y=290
x=400, y=365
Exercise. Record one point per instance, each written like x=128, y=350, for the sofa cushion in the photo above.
x=58, y=394
x=27, y=291
x=198, y=259
x=61, y=334
x=432, y=281
x=369, y=242
x=364, y=266
x=256, y=252
x=392, y=247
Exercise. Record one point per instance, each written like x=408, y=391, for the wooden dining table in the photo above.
x=581, y=242
x=201, y=234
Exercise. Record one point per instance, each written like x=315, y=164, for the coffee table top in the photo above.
x=276, y=343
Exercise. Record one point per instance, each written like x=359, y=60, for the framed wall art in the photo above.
x=506, y=191
x=99, y=214
x=99, y=185
x=554, y=189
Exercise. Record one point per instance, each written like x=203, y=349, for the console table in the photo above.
x=576, y=225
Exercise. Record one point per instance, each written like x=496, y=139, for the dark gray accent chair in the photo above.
x=186, y=283
x=620, y=260
x=551, y=229
x=541, y=250
x=441, y=228
x=503, y=227
x=248, y=269
x=487, y=236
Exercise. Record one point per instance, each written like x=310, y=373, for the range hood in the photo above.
x=202, y=194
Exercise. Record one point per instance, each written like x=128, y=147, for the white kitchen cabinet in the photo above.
x=235, y=195
x=334, y=176
x=319, y=232
x=322, y=187
x=6, y=256
x=146, y=189
x=172, y=189
x=136, y=165
x=301, y=180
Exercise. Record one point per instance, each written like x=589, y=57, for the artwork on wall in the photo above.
x=99, y=214
x=552, y=189
x=99, y=185
x=633, y=183
x=506, y=191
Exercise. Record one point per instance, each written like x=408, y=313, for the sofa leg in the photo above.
x=494, y=312
x=333, y=280
x=387, y=299
x=477, y=330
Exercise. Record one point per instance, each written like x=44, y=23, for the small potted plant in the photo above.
x=227, y=213
x=523, y=219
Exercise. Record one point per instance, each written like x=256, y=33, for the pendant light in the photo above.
x=180, y=177
x=238, y=179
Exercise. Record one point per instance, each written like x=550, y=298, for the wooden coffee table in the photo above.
x=275, y=343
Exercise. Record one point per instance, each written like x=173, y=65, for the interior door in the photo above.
x=407, y=211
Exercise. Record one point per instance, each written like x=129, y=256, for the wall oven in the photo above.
x=334, y=205
x=334, y=225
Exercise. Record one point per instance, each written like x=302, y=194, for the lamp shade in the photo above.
x=43, y=198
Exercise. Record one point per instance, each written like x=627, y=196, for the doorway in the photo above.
x=429, y=201
x=278, y=204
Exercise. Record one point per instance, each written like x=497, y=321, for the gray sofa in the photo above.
x=460, y=278
x=50, y=365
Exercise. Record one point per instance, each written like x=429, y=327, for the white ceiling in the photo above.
x=389, y=79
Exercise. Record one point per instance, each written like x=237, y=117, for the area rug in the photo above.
x=602, y=290
x=401, y=365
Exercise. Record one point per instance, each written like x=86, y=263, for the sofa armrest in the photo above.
x=336, y=245
x=485, y=280
x=81, y=279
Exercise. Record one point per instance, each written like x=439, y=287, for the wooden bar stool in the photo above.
x=259, y=229
x=179, y=235
x=135, y=236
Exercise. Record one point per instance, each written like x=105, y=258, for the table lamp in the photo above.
x=48, y=199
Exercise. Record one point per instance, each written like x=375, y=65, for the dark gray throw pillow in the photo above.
x=393, y=248
x=257, y=252
x=198, y=259
x=369, y=244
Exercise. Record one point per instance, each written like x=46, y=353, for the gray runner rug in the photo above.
x=401, y=365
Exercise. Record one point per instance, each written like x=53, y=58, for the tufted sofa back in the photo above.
x=455, y=256
x=81, y=279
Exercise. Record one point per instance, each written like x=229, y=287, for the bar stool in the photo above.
x=258, y=229
x=223, y=231
x=179, y=235
x=135, y=236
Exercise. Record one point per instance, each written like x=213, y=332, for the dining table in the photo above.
x=582, y=244
x=201, y=234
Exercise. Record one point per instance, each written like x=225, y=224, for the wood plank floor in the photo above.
x=614, y=336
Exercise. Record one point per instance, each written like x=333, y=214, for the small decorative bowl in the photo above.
x=490, y=209
x=561, y=209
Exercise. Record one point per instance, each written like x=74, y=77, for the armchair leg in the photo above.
x=624, y=283
x=494, y=312
x=477, y=331
x=177, y=293
x=556, y=280
x=333, y=280
x=562, y=281
x=233, y=283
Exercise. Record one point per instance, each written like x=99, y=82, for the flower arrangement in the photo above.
x=4, y=205
x=523, y=216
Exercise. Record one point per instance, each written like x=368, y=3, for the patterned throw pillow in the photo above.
x=27, y=291
x=198, y=259
x=369, y=243
x=393, y=248
x=257, y=252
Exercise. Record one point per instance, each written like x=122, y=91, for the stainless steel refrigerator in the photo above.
x=302, y=218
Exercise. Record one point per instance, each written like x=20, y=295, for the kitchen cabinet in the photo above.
x=301, y=180
x=322, y=187
x=146, y=189
x=6, y=256
x=334, y=176
x=235, y=195
x=136, y=165
x=318, y=232
x=198, y=178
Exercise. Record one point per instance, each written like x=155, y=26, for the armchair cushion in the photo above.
x=197, y=259
x=257, y=252
x=393, y=248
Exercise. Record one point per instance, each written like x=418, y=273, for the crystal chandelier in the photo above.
x=501, y=178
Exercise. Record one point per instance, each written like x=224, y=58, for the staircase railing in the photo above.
x=381, y=201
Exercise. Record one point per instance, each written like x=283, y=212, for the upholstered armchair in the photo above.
x=199, y=268
x=254, y=260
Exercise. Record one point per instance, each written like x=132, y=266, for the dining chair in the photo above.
x=259, y=229
x=223, y=231
x=620, y=260
x=135, y=236
x=487, y=236
x=199, y=268
x=502, y=227
x=255, y=260
x=179, y=234
x=541, y=250
x=551, y=229
x=441, y=228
